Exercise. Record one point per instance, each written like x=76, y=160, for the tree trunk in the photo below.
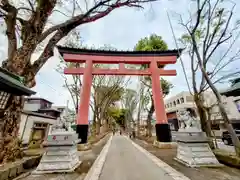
x=98, y=125
x=138, y=119
x=105, y=125
x=205, y=124
x=10, y=118
x=94, y=125
x=202, y=115
x=222, y=109
x=149, y=120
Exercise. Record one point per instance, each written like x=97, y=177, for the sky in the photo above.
x=121, y=29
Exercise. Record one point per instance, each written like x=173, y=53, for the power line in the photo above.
x=50, y=86
x=174, y=37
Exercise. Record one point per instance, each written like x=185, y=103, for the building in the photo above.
x=230, y=104
x=34, y=128
x=37, y=117
x=40, y=105
x=184, y=100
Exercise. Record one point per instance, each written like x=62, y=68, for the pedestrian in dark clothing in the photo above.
x=133, y=134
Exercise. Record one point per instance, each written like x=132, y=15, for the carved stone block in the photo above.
x=194, y=151
x=61, y=154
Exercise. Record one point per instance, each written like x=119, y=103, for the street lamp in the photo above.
x=4, y=96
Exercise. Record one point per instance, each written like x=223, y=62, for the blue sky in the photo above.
x=121, y=29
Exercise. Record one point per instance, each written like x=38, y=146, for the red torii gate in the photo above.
x=90, y=57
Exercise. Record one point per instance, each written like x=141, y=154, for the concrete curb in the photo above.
x=168, y=169
x=96, y=169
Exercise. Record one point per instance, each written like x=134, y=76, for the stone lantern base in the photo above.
x=61, y=155
x=194, y=151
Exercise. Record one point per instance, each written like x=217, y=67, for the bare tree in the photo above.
x=129, y=101
x=30, y=24
x=144, y=100
x=72, y=83
x=106, y=91
x=209, y=33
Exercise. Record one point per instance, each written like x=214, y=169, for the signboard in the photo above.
x=58, y=138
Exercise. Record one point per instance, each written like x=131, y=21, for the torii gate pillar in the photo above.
x=163, y=131
x=83, y=108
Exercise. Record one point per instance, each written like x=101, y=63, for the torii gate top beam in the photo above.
x=115, y=57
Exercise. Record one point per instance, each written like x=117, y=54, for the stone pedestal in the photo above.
x=193, y=150
x=165, y=145
x=61, y=154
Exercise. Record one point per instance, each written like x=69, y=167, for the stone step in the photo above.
x=198, y=154
x=59, y=158
x=61, y=148
x=58, y=153
x=56, y=166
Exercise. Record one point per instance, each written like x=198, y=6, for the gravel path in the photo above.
x=125, y=162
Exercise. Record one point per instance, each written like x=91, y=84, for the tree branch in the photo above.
x=31, y=5
x=64, y=28
x=199, y=11
x=86, y=18
x=10, y=20
x=221, y=40
x=38, y=19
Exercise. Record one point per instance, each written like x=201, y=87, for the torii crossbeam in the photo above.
x=90, y=57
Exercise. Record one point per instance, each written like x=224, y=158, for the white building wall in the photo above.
x=210, y=100
x=229, y=104
x=179, y=101
x=31, y=107
x=22, y=124
x=28, y=121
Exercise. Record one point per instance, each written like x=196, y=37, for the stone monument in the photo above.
x=193, y=149
x=61, y=154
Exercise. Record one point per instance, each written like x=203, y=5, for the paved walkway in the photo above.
x=125, y=162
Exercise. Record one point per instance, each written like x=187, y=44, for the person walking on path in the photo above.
x=133, y=134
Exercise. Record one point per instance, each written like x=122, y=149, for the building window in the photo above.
x=174, y=102
x=4, y=96
x=182, y=100
x=170, y=104
x=30, y=101
x=178, y=102
x=215, y=126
